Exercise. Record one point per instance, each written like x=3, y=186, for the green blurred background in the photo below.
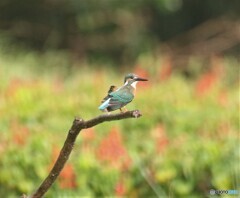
x=57, y=61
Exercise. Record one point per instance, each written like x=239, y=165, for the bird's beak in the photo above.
x=141, y=79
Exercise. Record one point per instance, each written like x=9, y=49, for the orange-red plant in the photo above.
x=112, y=151
x=67, y=178
x=120, y=188
x=20, y=133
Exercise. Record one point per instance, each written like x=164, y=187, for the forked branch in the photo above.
x=77, y=126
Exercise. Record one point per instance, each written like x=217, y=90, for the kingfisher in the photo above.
x=120, y=97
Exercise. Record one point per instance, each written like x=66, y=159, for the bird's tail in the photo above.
x=104, y=105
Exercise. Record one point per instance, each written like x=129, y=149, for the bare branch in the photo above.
x=77, y=126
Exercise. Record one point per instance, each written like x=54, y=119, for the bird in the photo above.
x=117, y=98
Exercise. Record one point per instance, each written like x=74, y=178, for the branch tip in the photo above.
x=136, y=114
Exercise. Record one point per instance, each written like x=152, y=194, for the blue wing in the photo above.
x=121, y=96
x=117, y=99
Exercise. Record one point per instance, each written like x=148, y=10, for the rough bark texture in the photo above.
x=77, y=126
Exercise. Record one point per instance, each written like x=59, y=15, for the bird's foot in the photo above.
x=123, y=110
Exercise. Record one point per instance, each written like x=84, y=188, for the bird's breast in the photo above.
x=134, y=92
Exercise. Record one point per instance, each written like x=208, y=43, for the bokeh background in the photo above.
x=57, y=61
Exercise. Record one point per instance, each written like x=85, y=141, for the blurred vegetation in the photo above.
x=110, y=30
x=185, y=144
x=56, y=61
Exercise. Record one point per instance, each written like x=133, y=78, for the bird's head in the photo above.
x=132, y=79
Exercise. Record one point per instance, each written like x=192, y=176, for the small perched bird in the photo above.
x=118, y=98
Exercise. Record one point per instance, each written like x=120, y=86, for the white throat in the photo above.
x=134, y=84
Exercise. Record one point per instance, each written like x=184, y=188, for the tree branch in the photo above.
x=77, y=126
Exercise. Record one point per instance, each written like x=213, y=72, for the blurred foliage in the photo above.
x=105, y=31
x=185, y=144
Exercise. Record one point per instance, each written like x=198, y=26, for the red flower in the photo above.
x=120, y=188
x=20, y=133
x=67, y=178
x=112, y=151
x=208, y=80
x=205, y=83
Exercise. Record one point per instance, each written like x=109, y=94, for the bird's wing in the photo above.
x=120, y=96
x=116, y=99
